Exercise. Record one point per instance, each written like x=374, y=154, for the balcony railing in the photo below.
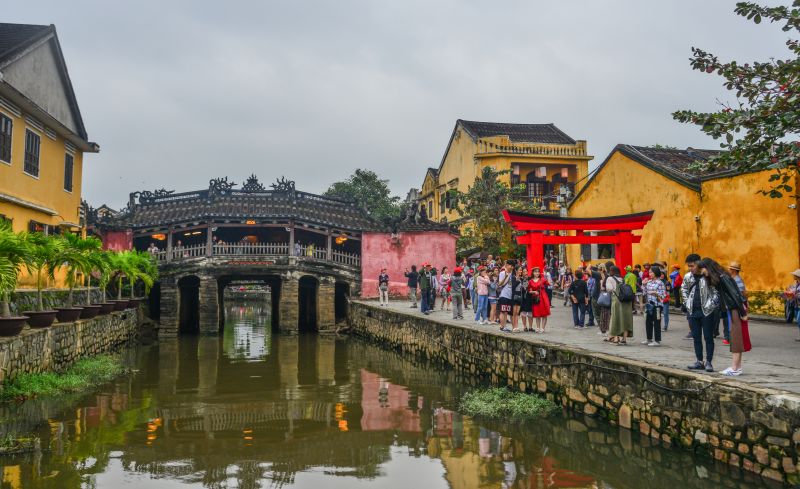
x=252, y=250
x=577, y=149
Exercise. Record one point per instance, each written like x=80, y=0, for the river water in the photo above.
x=256, y=410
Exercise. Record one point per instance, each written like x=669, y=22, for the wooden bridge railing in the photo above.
x=258, y=250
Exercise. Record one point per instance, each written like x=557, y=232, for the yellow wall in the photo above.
x=624, y=186
x=462, y=164
x=47, y=190
x=759, y=232
x=459, y=167
x=735, y=223
x=429, y=194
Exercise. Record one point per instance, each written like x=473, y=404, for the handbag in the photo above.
x=747, y=346
x=604, y=300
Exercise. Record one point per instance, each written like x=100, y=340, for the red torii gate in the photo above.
x=537, y=226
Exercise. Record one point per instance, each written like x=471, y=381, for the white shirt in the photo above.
x=506, y=291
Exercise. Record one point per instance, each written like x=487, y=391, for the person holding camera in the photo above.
x=413, y=282
x=654, y=293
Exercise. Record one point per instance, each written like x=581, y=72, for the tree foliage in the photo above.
x=482, y=205
x=759, y=130
x=13, y=250
x=370, y=192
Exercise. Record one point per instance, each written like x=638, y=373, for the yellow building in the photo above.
x=541, y=156
x=42, y=136
x=717, y=214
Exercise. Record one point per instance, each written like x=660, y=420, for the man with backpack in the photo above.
x=632, y=280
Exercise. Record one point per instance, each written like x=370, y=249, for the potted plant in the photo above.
x=90, y=249
x=104, y=272
x=13, y=250
x=41, y=262
x=72, y=259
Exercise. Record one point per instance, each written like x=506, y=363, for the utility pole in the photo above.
x=564, y=196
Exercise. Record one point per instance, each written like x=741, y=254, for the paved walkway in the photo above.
x=774, y=361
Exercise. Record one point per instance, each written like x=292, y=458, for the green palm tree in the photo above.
x=75, y=257
x=90, y=249
x=147, y=270
x=42, y=261
x=120, y=268
x=104, y=269
x=13, y=250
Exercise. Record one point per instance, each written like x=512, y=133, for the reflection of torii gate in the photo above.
x=537, y=228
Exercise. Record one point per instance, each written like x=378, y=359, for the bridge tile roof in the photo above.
x=237, y=205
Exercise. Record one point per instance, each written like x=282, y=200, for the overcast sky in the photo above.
x=178, y=92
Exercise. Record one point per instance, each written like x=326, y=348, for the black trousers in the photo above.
x=703, y=332
x=652, y=324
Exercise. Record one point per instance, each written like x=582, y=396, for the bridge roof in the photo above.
x=221, y=202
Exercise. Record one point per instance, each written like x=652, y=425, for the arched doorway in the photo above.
x=189, y=305
x=307, y=302
x=340, y=301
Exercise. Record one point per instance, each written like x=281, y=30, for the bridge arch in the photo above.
x=189, y=304
x=272, y=280
x=308, y=303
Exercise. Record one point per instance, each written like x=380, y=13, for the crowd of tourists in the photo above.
x=502, y=293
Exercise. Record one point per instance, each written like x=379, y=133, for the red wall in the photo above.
x=378, y=250
x=118, y=240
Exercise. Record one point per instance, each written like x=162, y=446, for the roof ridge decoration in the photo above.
x=283, y=185
x=253, y=185
x=220, y=186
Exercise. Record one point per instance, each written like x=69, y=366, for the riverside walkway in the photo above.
x=774, y=361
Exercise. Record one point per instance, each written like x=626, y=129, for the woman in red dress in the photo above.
x=537, y=287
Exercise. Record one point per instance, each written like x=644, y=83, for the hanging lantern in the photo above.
x=565, y=173
x=341, y=239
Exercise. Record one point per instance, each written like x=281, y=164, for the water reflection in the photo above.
x=251, y=410
x=247, y=335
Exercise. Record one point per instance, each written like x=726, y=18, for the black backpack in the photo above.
x=625, y=292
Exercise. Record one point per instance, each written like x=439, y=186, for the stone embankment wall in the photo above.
x=754, y=429
x=25, y=299
x=61, y=345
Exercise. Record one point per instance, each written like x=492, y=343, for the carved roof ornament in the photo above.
x=147, y=196
x=252, y=185
x=283, y=185
x=220, y=186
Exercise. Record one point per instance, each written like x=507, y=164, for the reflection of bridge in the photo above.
x=306, y=247
x=209, y=418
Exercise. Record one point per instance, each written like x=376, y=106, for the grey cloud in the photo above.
x=179, y=92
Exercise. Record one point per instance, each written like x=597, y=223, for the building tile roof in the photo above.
x=166, y=208
x=523, y=133
x=410, y=226
x=675, y=164
x=14, y=37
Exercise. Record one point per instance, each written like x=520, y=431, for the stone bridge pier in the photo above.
x=303, y=299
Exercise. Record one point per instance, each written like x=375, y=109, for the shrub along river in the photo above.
x=251, y=410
